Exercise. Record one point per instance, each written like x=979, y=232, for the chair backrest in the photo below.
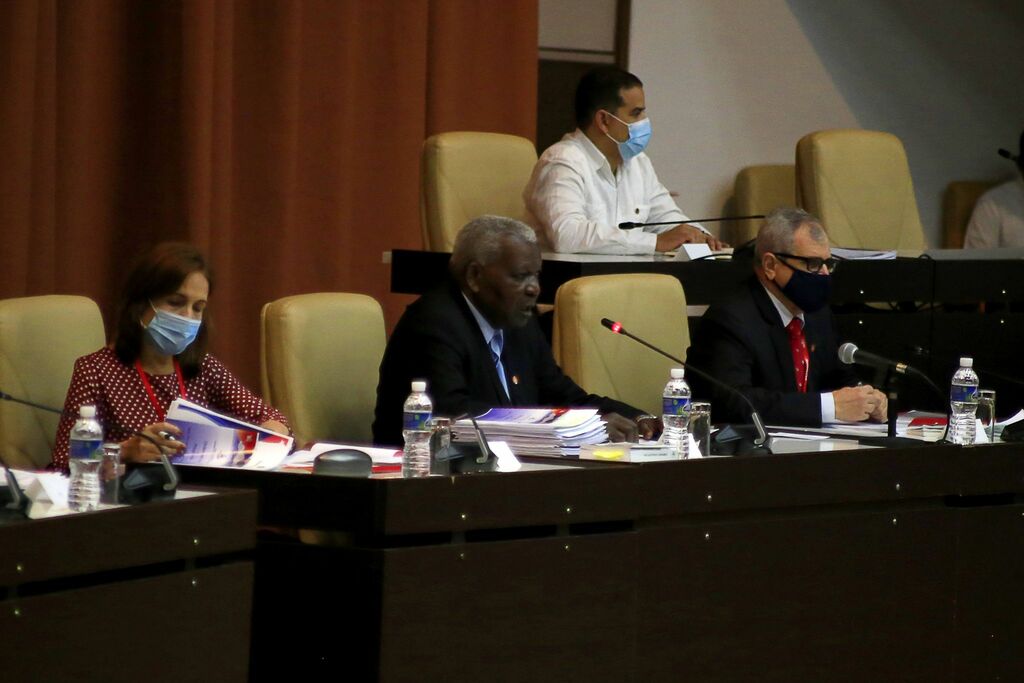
x=858, y=182
x=465, y=175
x=957, y=206
x=40, y=338
x=758, y=190
x=319, y=356
x=651, y=306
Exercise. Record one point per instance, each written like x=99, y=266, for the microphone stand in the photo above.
x=761, y=441
x=892, y=386
x=629, y=225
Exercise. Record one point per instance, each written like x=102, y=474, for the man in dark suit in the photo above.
x=477, y=343
x=775, y=340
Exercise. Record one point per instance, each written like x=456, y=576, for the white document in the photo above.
x=692, y=252
x=47, y=493
x=863, y=254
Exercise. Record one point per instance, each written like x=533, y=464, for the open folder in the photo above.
x=216, y=440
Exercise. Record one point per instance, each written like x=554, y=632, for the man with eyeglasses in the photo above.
x=775, y=340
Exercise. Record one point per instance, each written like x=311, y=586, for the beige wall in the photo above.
x=731, y=83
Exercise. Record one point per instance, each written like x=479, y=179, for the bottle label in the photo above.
x=415, y=421
x=961, y=393
x=86, y=449
x=675, y=405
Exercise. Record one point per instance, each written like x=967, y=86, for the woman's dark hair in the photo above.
x=157, y=273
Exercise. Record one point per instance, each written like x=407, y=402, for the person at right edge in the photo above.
x=998, y=217
x=775, y=339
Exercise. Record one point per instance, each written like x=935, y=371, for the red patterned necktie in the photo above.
x=801, y=358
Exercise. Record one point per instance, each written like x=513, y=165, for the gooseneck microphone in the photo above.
x=762, y=440
x=629, y=225
x=851, y=355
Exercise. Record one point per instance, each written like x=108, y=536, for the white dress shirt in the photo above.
x=828, y=402
x=576, y=203
x=998, y=218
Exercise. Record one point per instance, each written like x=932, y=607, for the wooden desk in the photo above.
x=157, y=592
x=858, y=565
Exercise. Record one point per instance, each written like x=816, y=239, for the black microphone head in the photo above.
x=1007, y=154
x=612, y=325
x=846, y=352
x=628, y=225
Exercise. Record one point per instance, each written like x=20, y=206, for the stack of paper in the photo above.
x=863, y=254
x=553, y=432
x=918, y=424
x=216, y=440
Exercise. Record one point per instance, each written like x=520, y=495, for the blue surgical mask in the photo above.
x=172, y=333
x=639, y=136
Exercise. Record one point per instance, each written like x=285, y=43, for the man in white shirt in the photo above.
x=998, y=217
x=598, y=176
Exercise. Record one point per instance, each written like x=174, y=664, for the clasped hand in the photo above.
x=855, y=404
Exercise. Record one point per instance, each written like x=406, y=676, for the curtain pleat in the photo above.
x=282, y=138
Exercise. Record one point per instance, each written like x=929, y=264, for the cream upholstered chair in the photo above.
x=319, y=359
x=651, y=306
x=465, y=175
x=858, y=182
x=40, y=338
x=957, y=206
x=759, y=190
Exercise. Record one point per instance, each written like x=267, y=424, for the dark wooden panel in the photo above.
x=299, y=499
x=556, y=609
x=902, y=279
x=721, y=485
x=990, y=595
x=494, y=500
x=994, y=341
x=958, y=281
x=188, y=626
x=811, y=596
x=414, y=272
x=92, y=542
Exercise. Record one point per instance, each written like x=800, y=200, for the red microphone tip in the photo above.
x=616, y=327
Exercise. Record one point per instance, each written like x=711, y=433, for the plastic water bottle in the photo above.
x=416, y=413
x=963, y=403
x=84, y=459
x=674, y=415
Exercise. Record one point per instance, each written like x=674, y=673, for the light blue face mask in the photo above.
x=639, y=136
x=172, y=333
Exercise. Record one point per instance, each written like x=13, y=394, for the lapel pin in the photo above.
x=515, y=379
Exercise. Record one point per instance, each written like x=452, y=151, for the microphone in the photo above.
x=629, y=225
x=762, y=440
x=172, y=475
x=1005, y=153
x=851, y=355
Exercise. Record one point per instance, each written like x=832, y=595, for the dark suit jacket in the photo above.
x=438, y=339
x=743, y=343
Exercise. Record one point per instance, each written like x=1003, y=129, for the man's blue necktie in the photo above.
x=497, y=343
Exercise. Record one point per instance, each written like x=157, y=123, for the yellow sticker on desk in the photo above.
x=610, y=454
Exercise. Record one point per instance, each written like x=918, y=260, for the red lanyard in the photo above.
x=160, y=412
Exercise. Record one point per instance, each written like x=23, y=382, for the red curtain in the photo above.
x=280, y=136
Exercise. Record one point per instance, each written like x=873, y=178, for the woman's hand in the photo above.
x=138, y=449
x=275, y=426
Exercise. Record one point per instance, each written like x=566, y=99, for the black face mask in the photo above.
x=808, y=291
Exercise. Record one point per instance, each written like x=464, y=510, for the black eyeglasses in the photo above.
x=813, y=264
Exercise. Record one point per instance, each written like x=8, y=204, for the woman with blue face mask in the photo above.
x=158, y=353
